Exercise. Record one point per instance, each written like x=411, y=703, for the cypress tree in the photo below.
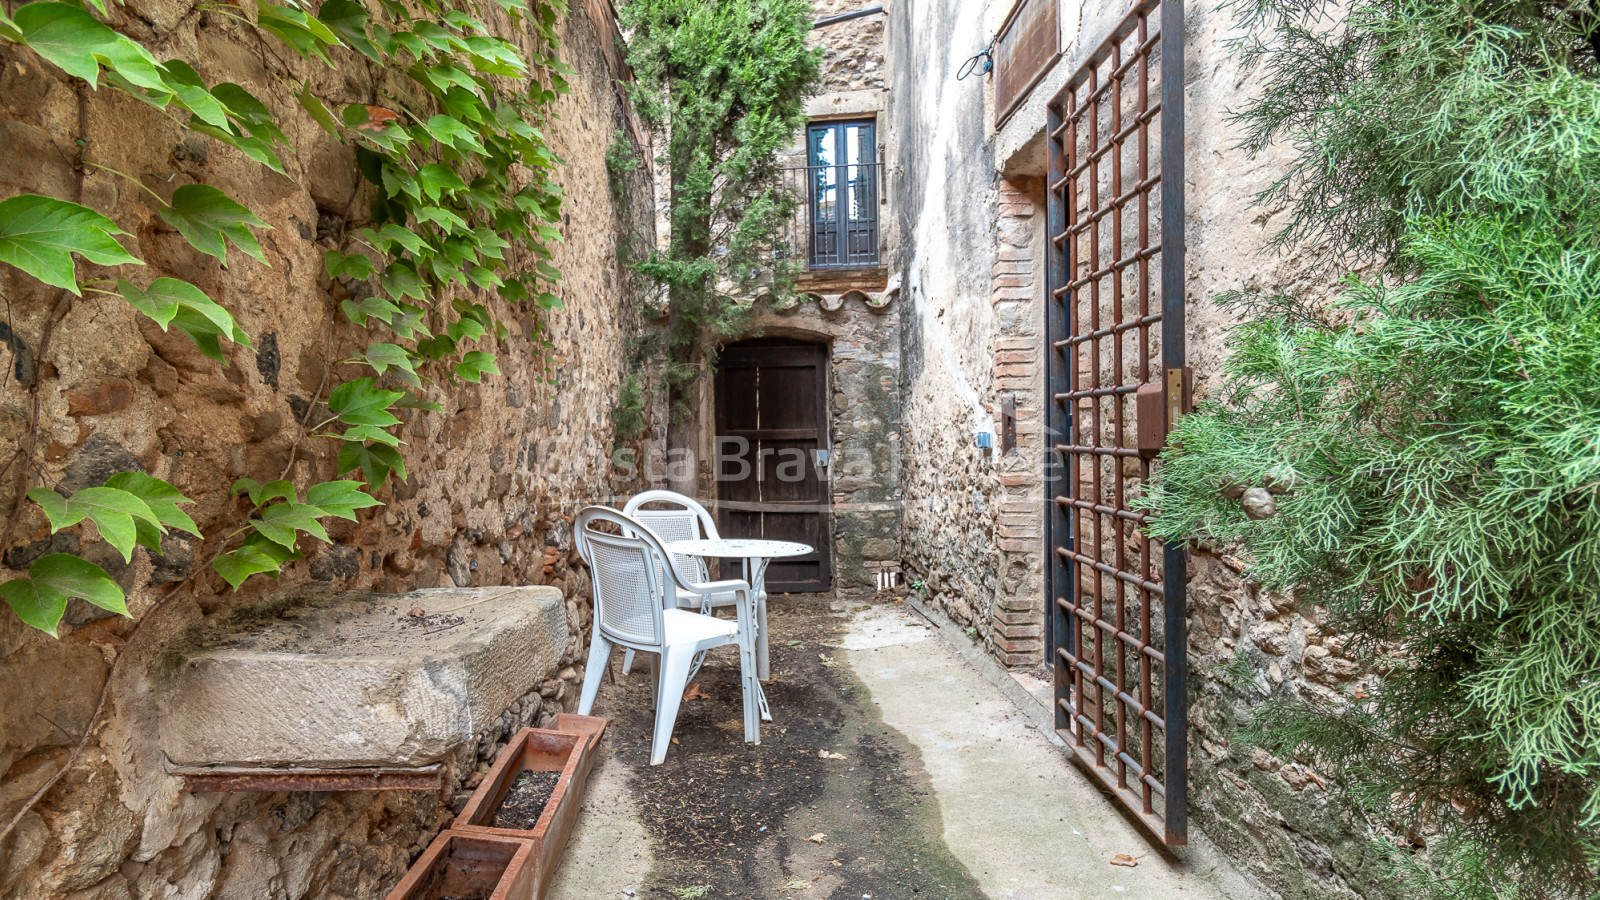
x=1436, y=429
x=726, y=82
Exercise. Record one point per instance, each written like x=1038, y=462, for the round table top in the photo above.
x=739, y=548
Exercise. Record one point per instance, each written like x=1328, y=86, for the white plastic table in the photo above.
x=755, y=555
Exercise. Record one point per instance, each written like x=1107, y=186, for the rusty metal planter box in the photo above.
x=569, y=749
x=472, y=865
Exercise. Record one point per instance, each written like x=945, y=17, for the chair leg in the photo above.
x=674, y=679
x=594, y=669
x=627, y=661
x=654, y=662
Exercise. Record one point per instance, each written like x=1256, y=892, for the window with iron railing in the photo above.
x=837, y=224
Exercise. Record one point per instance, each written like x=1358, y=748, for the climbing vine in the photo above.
x=465, y=210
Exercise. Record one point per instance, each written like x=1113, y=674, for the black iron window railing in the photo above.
x=836, y=225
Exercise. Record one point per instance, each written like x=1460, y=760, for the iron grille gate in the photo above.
x=1115, y=364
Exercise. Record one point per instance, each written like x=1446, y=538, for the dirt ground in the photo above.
x=902, y=763
x=729, y=819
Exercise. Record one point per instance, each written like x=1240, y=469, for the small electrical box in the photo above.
x=985, y=440
x=1157, y=404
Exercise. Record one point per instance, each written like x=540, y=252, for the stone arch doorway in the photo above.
x=771, y=454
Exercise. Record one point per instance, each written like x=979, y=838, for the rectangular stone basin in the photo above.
x=351, y=679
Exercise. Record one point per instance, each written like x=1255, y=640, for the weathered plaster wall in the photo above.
x=973, y=272
x=494, y=477
x=971, y=319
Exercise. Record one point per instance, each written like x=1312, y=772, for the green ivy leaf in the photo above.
x=205, y=216
x=452, y=133
x=388, y=236
x=349, y=21
x=186, y=85
x=280, y=521
x=306, y=35
x=383, y=357
x=360, y=402
x=244, y=106
x=400, y=280
x=437, y=347
x=475, y=365
x=484, y=278
x=65, y=35
x=352, y=265
x=488, y=243
x=437, y=179
x=113, y=511
x=163, y=500
x=455, y=18
x=170, y=301
x=264, y=493
x=39, y=235
x=318, y=111
x=436, y=37
x=412, y=401
x=370, y=308
x=360, y=433
x=465, y=330
x=340, y=498
x=446, y=77
x=41, y=599
x=444, y=218
x=374, y=460
x=257, y=556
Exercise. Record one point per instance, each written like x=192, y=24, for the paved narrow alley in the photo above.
x=935, y=784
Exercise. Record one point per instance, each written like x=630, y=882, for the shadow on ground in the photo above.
x=727, y=819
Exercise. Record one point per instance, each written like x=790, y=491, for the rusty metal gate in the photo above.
x=1116, y=372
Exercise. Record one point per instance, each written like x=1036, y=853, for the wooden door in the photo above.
x=771, y=430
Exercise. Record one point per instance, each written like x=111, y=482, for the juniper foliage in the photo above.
x=1440, y=422
x=726, y=81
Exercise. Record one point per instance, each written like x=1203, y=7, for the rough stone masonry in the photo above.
x=494, y=476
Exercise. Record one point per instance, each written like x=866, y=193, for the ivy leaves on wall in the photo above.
x=39, y=235
x=465, y=209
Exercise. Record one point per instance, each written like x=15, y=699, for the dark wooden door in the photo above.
x=771, y=430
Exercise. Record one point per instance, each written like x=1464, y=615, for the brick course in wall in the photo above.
x=1016, y=630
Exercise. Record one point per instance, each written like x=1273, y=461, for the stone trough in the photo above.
x=349, y=680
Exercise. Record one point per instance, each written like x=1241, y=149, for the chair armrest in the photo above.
x=709, y=588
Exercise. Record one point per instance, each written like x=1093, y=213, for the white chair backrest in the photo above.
x=684, y=520
x=627, y=572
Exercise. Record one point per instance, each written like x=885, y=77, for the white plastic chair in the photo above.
x=686, y=521
x=631, y=611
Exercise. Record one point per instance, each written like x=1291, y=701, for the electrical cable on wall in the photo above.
x=972, y=65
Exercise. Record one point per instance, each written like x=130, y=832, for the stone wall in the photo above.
x=854, y=59
x=973, y=313
x=494, y=477
x=863, y=426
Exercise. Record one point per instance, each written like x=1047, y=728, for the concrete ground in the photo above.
x=948, y=786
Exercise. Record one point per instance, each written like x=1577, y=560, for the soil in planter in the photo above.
x=526, y=800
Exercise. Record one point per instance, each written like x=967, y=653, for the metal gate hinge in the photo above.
x=1175, y=396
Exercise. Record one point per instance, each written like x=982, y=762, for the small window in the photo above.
x=843, y=173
